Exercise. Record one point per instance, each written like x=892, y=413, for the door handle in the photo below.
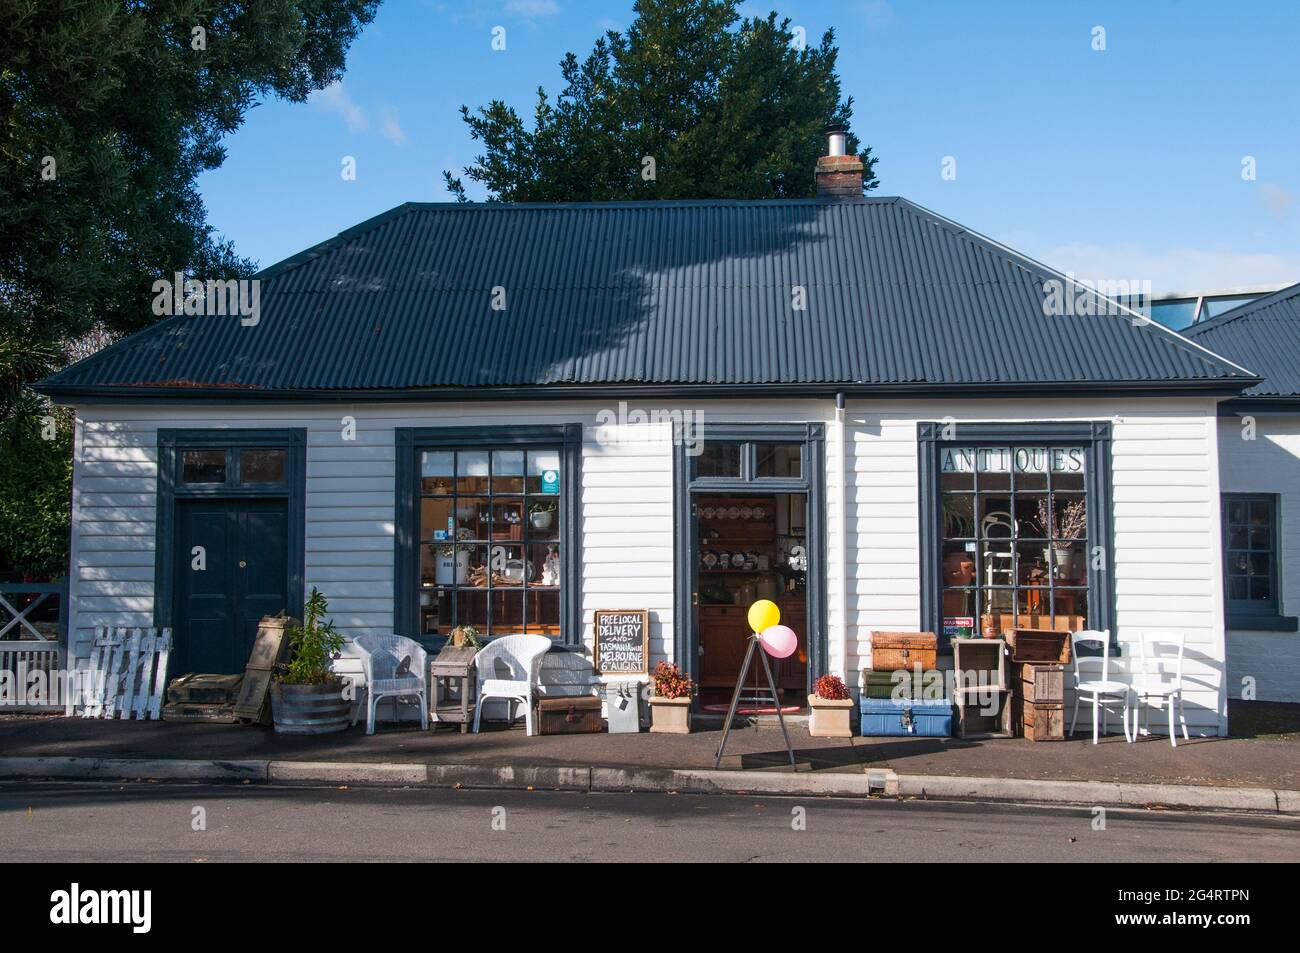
x=243, y=565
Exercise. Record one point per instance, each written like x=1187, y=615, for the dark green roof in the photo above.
x=680, y=296
x=1264, y=335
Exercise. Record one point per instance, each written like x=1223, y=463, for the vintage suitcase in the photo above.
x=908, y=684
x=895, y=650
x=1041, y=683
x=569, y=715
x=885, y=718
x=1039, y=645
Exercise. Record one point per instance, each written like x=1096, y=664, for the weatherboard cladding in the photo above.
x=1264, y=336
x=649, y=293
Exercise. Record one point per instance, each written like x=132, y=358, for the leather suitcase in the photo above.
x=895, y=650
x=569, y=715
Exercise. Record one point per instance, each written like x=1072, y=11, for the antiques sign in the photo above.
x=1006, y=459
x=622, y=641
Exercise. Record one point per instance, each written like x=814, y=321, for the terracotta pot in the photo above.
x=958, y=570
x=670, y=715
x=829, y=717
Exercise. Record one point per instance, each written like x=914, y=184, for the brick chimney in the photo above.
x=839, y=176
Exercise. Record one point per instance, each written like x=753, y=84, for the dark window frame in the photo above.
x=172, y=443
x=812, y=483
x=410, y=441
x=1094, y=437
x=1257, y=614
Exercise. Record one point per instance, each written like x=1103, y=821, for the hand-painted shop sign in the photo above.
x=1007, y=459
x=622, y=639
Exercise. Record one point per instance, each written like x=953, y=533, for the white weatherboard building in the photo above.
x=892, y=435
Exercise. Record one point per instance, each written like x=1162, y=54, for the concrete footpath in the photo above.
x=1258, y=774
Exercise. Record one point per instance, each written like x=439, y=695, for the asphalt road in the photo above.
x=154, y=822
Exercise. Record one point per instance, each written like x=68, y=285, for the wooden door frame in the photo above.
x=171, y=444
x=686, y=642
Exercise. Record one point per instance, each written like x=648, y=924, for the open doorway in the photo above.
x=749, y=546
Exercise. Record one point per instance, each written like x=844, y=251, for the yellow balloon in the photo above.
x=763, y=614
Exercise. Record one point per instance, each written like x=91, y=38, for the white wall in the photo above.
x=1166, y=524
x=1269, y=463
x=1166, y=511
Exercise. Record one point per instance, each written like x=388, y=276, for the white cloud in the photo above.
x=533, y=9
x=1177, y=269
x=389, y=126
x=335, y=99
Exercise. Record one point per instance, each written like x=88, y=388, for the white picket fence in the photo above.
x=29, y=675
x=126, y=676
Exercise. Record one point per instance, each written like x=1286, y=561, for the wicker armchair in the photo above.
x=395, y=666
x=507, y=669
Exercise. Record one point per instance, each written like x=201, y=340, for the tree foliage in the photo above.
x=108, y=113
x=691, y=102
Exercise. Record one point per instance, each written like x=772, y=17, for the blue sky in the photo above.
x=1117, y=163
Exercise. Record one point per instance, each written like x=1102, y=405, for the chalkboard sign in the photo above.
x=622, y=641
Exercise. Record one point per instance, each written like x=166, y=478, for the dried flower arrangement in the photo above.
x=1069, y=520
x=831, y=687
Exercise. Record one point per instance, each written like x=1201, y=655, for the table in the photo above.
x=451, y=683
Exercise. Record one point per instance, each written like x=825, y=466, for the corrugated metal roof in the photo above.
x=1264, y=335
x=665, y=293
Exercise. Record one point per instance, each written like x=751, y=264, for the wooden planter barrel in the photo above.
x=309, y=709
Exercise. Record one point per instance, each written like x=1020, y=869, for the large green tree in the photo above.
x=109, y=111
x=724, y=107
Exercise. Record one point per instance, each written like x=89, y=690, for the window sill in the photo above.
x=1263, y=623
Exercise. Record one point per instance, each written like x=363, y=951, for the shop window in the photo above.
x=1250, y=565
x=779, y=460
x=719, y=459
x=203, y=466
x=261, y=466
x=1014, y=539
x=490, y=546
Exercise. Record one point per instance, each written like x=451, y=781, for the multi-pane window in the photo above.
x=1250, y=540
x=1014, y=525
x=490, y=542
x=233, y=466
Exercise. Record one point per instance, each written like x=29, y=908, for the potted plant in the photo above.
x=307, y=696
x=670, y=705
x=829, y=708
x=1069, y=521
x=466, y=635
x=542, y=514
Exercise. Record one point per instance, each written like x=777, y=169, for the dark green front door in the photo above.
x=232, y=568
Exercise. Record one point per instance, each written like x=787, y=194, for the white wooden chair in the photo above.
x=395, y=666
x=1099, y=691
x=520, y=656
x=1158, y=686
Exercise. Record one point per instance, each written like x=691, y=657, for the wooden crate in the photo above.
x=1043, y=683
x=973, y=722
x=1038, y=721
x=1039, y=645
x=978, y=665
x=895, y=650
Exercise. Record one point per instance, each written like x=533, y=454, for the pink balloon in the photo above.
x=779, y=641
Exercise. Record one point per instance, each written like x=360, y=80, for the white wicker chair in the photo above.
x=381, y=656
x=521, y=657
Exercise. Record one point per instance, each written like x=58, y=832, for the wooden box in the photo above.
x=1039, y=645
x=979, y=665
x=1042, y=683
x=569, y=715
x=895, y=650
x=974, y=722
x=908, y=684
x=1039, y=721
